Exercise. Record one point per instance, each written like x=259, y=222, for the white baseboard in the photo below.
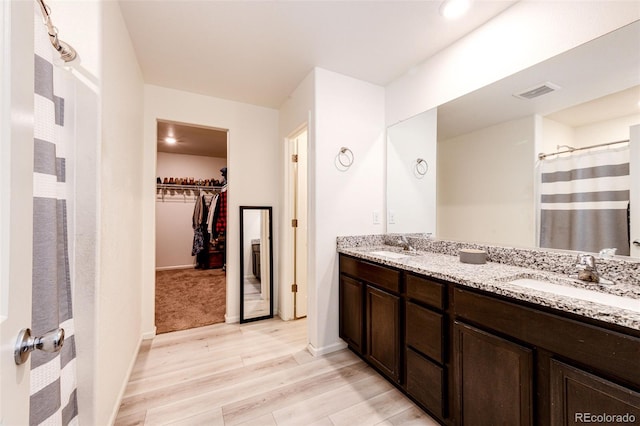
x=326, y=349
x=150, y=334
x=123, y=387
x=169, y=268
x=231, y=320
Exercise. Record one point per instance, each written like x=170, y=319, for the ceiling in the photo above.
x=598, y=81
x=257, y=52
x=192, y=139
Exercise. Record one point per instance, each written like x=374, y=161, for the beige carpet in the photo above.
x=188, y=298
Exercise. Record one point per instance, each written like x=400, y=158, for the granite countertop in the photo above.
x=495, y=278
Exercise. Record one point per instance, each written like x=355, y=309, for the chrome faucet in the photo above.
x=404, y=243
x=587, y=270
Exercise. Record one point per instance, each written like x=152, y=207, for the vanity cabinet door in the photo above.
x=383, y=331
x=578, y=397
x=351, y=312
x=493, y=379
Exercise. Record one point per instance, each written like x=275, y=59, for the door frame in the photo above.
x=286, y=306
x=634, y=165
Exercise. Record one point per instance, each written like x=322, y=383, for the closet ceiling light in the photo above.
x=170, y=140
x=452, y=9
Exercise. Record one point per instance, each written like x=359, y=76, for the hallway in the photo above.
x=260, y=374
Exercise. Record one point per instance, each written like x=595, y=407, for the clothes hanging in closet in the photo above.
x=201, y=236
x=211, y=219
x=221, y=223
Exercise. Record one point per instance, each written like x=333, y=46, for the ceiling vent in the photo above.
x=539, y=90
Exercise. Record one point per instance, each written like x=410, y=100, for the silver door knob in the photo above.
x=636, y=242
x=51, y=341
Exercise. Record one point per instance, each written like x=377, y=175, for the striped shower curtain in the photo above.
x=53, y=379
x=584, y=201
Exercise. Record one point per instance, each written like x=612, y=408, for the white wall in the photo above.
x=297, y=111
x=107, y=296
x=485, y=185
x=119, y=294
x=523, y=35
x=254, y=159
x=174, y=213
x=552, y=134
x=613, y=130
x=348, y=113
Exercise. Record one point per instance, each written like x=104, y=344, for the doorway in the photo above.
x=191, y=188
x=297, y=200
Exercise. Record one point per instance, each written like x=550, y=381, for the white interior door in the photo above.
x=16, y=212
x=634, y=156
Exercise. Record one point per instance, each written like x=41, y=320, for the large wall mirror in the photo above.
x=488, y=141
x=256, y=263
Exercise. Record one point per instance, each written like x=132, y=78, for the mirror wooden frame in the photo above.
x=243, y=209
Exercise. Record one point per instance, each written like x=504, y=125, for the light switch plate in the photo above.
x=376, y=217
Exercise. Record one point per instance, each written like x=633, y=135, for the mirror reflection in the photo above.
x=256, y=264
x=488, y=141
x=411, y=165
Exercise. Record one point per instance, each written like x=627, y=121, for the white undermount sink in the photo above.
x=580, y=293
x=389, y=254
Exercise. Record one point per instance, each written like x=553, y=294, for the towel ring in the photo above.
x=345, y=157
x=422, y=167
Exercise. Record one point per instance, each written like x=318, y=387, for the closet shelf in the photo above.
x=186, y=190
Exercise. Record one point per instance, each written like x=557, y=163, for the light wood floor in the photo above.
x=257, y=374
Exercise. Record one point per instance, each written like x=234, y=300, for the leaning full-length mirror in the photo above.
x=256, y=264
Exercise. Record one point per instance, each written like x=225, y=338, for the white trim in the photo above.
x=326, y=349
x=171, y=268
x=231, y=319
x=123, y=386
x=150, y=334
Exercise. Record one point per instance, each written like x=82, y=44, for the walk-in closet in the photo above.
x=191, y=224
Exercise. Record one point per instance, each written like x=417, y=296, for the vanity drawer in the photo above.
x=425, y=291
x=381, y=276
x=425, y=383
x=424, y=331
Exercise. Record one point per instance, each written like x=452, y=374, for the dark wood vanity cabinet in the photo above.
x=473, y=358
x=370, y=313
x=555, y=370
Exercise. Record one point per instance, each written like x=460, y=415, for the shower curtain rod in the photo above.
x=67, y=53
x=542, y=156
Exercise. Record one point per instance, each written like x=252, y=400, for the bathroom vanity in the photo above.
x=471, y=346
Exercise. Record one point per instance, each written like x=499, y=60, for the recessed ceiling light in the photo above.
x=170, y=140
x=452, y=9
